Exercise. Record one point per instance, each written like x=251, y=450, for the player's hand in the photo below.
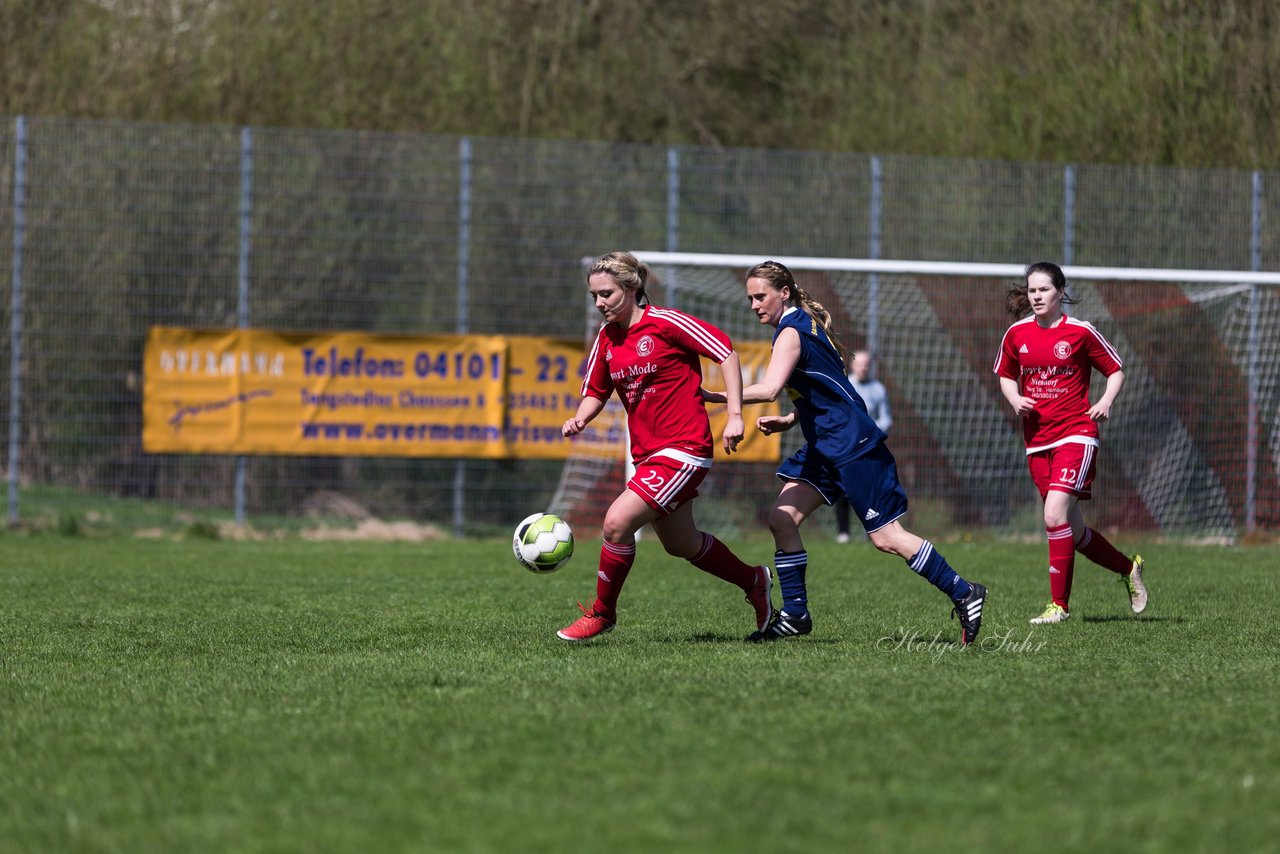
x=770, y=424
x=572, y=427
x=733, y=433
x=1023, y=406
x=1100, y=411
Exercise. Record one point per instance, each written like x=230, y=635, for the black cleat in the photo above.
x=783, y=625
x=969, y=610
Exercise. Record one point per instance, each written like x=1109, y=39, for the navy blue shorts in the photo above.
x=870, y=483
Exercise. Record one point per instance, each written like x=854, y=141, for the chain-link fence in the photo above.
x=112, y=228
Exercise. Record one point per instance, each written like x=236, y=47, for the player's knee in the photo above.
x=782, y=522
x=616, y=529
x=884, y=542
x=893, y=539
x=681, y=550
x=686, y=545
x=1054, y=520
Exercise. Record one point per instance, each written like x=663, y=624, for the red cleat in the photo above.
x=586, y=627
x=758, y=597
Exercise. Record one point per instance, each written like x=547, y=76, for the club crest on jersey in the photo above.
x=1062, y=349
x=644, y=346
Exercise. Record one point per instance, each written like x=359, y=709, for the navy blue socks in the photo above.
x=934, y=567
x=791, y=567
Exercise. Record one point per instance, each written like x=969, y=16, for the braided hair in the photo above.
x=779, y=277
x=627, y=270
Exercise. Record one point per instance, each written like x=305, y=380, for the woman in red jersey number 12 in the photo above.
x=1044, y=364
x=649, y=356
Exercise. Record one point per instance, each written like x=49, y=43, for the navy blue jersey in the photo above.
x=832, y=416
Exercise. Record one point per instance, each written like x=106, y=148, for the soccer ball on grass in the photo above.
x=542, y=542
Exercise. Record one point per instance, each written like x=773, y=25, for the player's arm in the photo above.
x=1104, y=357
x=731, y=371
x=597, y=387
x=1007, y=367
x=588, y=409
x=1022, y=405
x=783, y=360
x=1101, y=410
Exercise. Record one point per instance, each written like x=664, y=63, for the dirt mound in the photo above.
x=327, y=504
x=378, y=531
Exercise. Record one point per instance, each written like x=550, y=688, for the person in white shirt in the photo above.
x=877, y=400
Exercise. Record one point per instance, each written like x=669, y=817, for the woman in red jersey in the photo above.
x=649, y=356
x=1044, y=364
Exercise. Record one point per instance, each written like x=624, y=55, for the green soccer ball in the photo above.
x=542, y=543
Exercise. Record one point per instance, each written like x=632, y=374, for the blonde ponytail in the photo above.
x=823, y=317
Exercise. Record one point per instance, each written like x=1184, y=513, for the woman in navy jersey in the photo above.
x=649, y=356
x=1045, y=363
x=844, y=455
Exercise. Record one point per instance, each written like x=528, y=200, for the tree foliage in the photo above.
x=1188, y=83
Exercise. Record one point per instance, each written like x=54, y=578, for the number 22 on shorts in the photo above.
x=653, y=480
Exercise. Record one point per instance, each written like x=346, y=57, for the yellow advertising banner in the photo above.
x=544, y=377
x=756, y=447
x=249, y=391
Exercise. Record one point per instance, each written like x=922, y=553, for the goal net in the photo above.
x=1192, y=450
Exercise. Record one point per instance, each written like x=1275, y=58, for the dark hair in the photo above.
x=779, y=277
x=1016, y=301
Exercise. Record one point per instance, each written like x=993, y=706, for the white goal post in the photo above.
x=1193, y=450
x=955, y=268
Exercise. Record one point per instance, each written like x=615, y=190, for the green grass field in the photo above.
x=294, y=696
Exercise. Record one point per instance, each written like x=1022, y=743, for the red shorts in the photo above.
x=1065, y=468
x=669, y=478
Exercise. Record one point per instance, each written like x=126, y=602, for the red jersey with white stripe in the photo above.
x=1053, y=366
x=653, y=364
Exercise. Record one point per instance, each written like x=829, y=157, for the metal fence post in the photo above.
x=673, y=199
x=671, y=276
x=1251, y=440
x=873, y=280
x=15, y=317
x=242, y=312
x=463, y=325
x=1068, y=215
